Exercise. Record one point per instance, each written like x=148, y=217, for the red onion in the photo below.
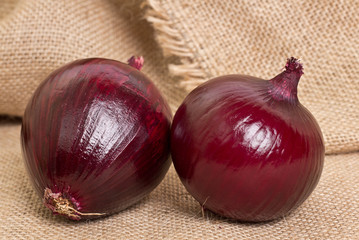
x=95, y=138
x=246, y=148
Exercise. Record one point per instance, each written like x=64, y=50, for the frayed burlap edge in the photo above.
x=173, y=44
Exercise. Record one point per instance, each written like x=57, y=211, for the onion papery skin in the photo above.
x=95, y=137
x=245, y=149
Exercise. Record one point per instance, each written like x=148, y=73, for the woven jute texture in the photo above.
x=216, y=37
x=38, y=36
x=185, y=43
x=169, y=212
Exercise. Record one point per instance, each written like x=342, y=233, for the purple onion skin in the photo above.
x=96, y=135
x=245, y=148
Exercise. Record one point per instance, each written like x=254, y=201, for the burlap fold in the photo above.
x=215, y=37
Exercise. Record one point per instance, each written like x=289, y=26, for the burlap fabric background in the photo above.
x=216, y=37
x=200, y=40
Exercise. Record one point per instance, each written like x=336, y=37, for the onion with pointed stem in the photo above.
x=246, y=148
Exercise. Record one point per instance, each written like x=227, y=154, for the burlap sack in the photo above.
x=37, y=36
x=218, y=37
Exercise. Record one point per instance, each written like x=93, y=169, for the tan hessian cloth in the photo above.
x=185, y=43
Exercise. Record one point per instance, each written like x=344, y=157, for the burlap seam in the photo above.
x=173, y=44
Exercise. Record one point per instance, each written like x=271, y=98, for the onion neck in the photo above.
x=283, y=87
x=136, y=62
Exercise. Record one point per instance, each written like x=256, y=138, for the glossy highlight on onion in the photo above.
x=95, y=137
x=246, y=148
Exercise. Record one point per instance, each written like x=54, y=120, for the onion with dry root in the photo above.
x=95, y=138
